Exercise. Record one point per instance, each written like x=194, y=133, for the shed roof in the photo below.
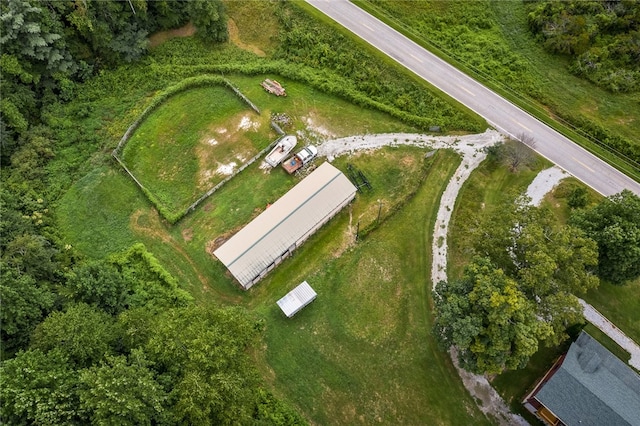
x=592, y=387
x=297, y=299
x=277, y=230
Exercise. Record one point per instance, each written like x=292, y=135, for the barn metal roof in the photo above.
x=592, y=387
x=297, y=299
x=287, y=221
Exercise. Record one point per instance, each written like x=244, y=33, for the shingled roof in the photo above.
x=592, y=387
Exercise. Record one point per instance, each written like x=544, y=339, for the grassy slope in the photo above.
x=362, y=352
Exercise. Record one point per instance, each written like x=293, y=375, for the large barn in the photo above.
x=269, y=238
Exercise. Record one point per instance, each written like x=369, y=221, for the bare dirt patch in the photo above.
x=162, y=36
x=348, y=238
x=213, y=245
x=316, y=130
x=234, y=37
x=187, y=234
x=222, y=149
x=408, y=161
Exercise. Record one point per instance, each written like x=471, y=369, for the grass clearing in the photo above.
x=94, y=213
x=133, y=219
x=253, y=26
x=351, y=333
x=362, y=352
x=192, y=142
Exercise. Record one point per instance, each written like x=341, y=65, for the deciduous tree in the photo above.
x=122, y=391
x=82, y=333
x=615, y=225
x=492, y=324
x=24, y=305
x=552, y=264
x=202, y=350
x=39, y=388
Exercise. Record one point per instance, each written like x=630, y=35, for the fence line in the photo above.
x=228, y=178
x=129, y=173
x=242, y=96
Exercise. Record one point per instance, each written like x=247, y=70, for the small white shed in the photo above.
x=297, y=299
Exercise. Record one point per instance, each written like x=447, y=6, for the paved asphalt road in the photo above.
x=498, y=112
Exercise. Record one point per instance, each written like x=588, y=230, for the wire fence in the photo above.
x=159, y=100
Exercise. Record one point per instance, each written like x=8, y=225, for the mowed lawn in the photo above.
x=363, y=351
x=193, y=141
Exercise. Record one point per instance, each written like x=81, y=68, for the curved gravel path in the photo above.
x=471, y=149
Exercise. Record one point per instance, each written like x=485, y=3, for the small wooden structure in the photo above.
x=273, y=87
x=297, y=299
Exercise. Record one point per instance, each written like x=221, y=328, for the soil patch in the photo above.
x=187, y=234
x=234, y=37
x=222, y=149
x=213, y=245
x=160, y=37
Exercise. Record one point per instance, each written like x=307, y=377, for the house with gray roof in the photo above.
x=587, y=386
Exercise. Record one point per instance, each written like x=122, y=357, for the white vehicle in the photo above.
x=304, y=156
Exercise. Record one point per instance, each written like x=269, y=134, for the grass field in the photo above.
x=616, y=111
x=192, y=142
x=362, y=353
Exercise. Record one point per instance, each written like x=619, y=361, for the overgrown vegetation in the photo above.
x=490, y=39
x=601, y=37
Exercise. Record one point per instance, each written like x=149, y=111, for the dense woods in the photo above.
x=601, y=37
x=113, y=340
x=48, y=46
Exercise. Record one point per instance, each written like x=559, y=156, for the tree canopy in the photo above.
x=615, y=225
x=488, y=319
x=602, y=38
x=521, y=291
